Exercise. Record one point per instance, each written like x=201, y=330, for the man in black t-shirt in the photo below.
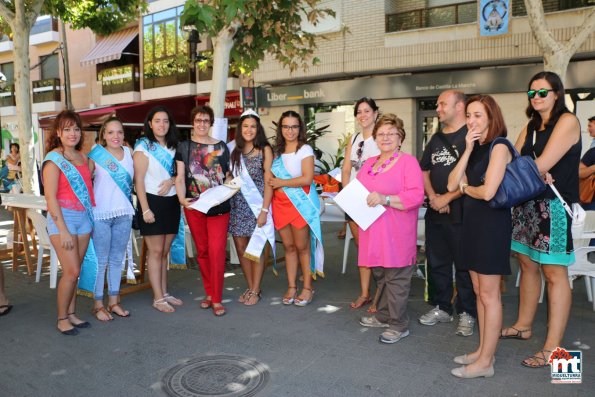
x=444, y=218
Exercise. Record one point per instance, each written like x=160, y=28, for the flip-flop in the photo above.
x=5, y=312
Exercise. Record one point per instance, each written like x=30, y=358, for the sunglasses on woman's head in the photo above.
x=540, y=93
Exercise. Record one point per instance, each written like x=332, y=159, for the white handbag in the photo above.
x=577, y=214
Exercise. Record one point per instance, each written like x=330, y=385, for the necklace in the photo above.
x=371, y=171
x=250, y=151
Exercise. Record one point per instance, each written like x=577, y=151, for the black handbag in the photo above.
x=522, y=180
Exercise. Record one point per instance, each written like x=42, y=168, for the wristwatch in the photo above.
x=387, y=201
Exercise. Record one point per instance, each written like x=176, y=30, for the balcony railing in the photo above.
x=119, y=79
x=47, y=90
x=45, y=25
x=519, y=10
x=7, y=96
x=432, y=17
x=168, y=71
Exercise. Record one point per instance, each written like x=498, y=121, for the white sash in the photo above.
x=254, y=199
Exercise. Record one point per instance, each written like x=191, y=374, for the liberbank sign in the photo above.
x=477, y=81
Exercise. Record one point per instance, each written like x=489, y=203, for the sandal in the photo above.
x=162, y=306
x=539, y=360
x=253, y=298
x=518, y=334
x=244, y=296
x=82, y=324
x=360, y=301
x=172, y=300
x=7, y=309
x=106, y=316
x=206, y=303
x=372, y=309
x=303, y=302
x=289, y=300
x=121, y=313
x=218, y=310
x=70, y=332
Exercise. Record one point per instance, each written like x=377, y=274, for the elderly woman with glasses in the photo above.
x=361, y=147
x=388, y=246
x=541, y=232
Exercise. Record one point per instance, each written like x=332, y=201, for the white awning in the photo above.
x=110, y=48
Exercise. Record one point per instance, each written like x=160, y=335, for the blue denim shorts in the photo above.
x=77, y=222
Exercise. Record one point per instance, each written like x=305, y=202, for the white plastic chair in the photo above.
x=582, y=267
x=331, y=212
x=43, y=239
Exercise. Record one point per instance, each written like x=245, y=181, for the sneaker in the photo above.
x=435, y=316
x=372, y=321
x=466, y=324
x=391, y=336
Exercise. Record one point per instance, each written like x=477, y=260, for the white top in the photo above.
x=293, y=161
x=155, y=172
x=110, y=200
x=369, y=149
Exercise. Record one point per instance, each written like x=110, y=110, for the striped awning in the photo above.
x=110, y=48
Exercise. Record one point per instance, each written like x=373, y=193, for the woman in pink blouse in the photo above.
x=388, y=246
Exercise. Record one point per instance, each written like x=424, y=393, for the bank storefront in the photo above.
x=412, y=97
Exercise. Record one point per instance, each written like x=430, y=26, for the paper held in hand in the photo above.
x=216, y=195
x=352, y=199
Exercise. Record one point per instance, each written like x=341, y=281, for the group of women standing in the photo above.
x=277, y=193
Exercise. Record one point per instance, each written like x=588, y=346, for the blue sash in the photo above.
x=88, y=275
x=108, y=162
x=177, y=257
x=309, y=208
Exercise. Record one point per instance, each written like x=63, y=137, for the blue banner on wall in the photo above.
x=494, y=16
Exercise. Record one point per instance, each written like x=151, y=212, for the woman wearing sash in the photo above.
x=359, y=149
x=160, y=211
x=111, y=164
x=296, y=207
x=388, y=246
x=251, y=223
x=202, y=162
x=69, y=197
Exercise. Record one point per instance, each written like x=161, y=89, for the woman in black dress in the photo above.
x=486, y=231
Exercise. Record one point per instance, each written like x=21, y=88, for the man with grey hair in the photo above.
x=444, y=218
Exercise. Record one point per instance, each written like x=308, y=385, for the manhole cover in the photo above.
x=227, y=376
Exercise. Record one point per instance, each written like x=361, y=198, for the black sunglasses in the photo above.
x=541, y=93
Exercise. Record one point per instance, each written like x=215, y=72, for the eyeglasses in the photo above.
x=290, y=127
x=389, y=135
x=541, y=93
x=360, y=150
x=202, y=121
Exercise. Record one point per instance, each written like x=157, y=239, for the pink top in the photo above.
x=65, y=195
x=391, y=240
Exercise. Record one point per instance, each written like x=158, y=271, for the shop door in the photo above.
x=427, y=123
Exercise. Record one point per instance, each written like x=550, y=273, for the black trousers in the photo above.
x=443, y=242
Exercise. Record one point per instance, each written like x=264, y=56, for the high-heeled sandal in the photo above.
x=70, y=332
x=303, y=302
x=289, y=300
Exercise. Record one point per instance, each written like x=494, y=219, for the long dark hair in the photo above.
x=259, y=142
x=496, y=127
x=280, y=140
x=367, y=100
x=171, y=138
x=102, y=140
x=559, y=106
x=62, y=120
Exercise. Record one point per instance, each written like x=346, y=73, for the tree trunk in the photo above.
x=222, y=46
x=22, y=94
x=67, y=91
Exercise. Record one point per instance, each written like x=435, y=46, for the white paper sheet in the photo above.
x=216, y=195
x=352, y=199
x=335, y=174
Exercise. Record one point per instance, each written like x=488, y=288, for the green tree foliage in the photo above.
x=261, y=27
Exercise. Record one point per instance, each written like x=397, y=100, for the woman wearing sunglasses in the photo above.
x=541, y=228
x=358, y=150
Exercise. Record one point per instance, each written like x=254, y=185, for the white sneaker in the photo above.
x=466, y=324
x=373, y=322
x=435, y=316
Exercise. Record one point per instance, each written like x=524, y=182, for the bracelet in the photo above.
x=264, y=210
x=462, y=187
x=146, y=211
x=387, y=202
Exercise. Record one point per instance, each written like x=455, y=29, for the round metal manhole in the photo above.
x=220, y=375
